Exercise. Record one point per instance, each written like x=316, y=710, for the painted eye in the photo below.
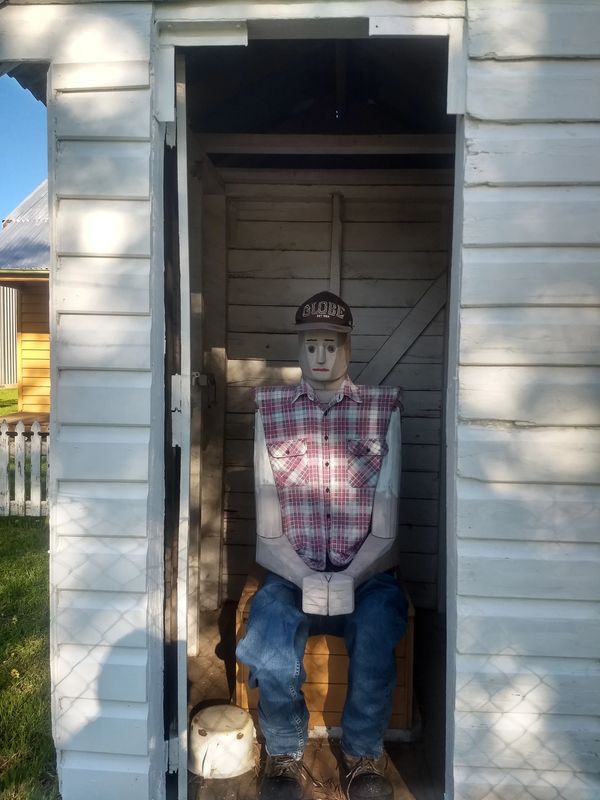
x=331, y=348
x=311, y=348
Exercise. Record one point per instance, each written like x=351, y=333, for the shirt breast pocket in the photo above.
x=289, y=461
x=365, y=457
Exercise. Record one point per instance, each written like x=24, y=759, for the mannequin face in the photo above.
x=324, y=358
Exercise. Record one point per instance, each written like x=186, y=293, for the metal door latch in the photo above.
x=207, y=379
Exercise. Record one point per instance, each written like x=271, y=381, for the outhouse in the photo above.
x=211, y=165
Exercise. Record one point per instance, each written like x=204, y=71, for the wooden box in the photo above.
x=326, y=666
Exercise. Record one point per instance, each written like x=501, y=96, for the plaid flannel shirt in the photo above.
x=326, y=461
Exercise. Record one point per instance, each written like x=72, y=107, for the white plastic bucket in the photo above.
x=221, y=742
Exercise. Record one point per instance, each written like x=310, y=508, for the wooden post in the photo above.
x=35, y=505
x=20, y=469
x=4, y=485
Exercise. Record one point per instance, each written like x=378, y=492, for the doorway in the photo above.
x=304, y=154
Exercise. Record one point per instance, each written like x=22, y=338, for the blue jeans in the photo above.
x=273, y=649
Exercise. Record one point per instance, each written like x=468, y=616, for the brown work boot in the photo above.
x=364, y=778
x=284, y=778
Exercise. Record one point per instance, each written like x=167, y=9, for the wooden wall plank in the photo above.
x=529, y=569
x=531, y=395
x=102, y=726
x=528, y=154
x=530, y=276
x=103, y=565
x=103, y=342
x=74, y=35
x=531, y=216
x=280, y=319
x=103, y=227
x=519, y=741
x=101, y=618
x=103, y=169
x=284, y=347
x=512, y=784
x=529, y=455
x=102, y=673
x=512, y=336
x=104, y=75
x=528, y=685
x=102, y=453
x=102, y=285
x=117, y=114
x=533, y=30
x=98, y=775
x=528, y=512
x=522, y=91
x=96, y=509
x=490, y=626
x=103, y=398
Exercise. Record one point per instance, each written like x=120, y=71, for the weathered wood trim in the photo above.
x=205, y=33
x=335, y=263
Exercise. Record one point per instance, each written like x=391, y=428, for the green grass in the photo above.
x=26, y=749
x=8, y=401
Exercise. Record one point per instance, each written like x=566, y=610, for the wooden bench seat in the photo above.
x=326, y=666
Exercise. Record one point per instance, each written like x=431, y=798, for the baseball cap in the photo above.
x=324, y=311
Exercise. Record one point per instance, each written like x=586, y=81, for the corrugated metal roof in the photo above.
x=24, y=239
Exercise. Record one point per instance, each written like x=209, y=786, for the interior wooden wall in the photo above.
x=276, y=229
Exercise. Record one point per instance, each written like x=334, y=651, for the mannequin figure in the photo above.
x=327, y=474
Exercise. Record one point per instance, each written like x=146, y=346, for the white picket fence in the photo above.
x=22, y=479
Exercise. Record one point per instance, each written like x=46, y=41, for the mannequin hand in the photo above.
x=341, y=594
x=315, y=593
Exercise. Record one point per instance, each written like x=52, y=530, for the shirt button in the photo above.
x=327, y=490
x=327, y=463
x=326, y=437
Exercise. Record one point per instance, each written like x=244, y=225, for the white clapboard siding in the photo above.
x=520, y=784
x=100, y=75
x=528, y=569
x=531, y=154
x=102, y=726
x=511, y=336
x=92, y=33
x=103, y=397
x=111, y=565
x=103, y=169
x=90, y=285
x=531, y=276
x=102, y=673
x=528, y=512
x=96, y=776
x=534, y=29
x=508, y=216
x=101, y=508
x=497, y=453
x=121, y=114
x=522, y=627
x=101, y=618
x=527, y=741
x=103, y=342
x=531, y=395
x=101, y=453
x=528, y=685
x=103, y=227
x=522, y=91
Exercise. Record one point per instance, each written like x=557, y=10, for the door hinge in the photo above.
x=172, y=754
x=207, y=380
x=176, y=397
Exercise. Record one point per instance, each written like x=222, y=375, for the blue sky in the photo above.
x=23, y=144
